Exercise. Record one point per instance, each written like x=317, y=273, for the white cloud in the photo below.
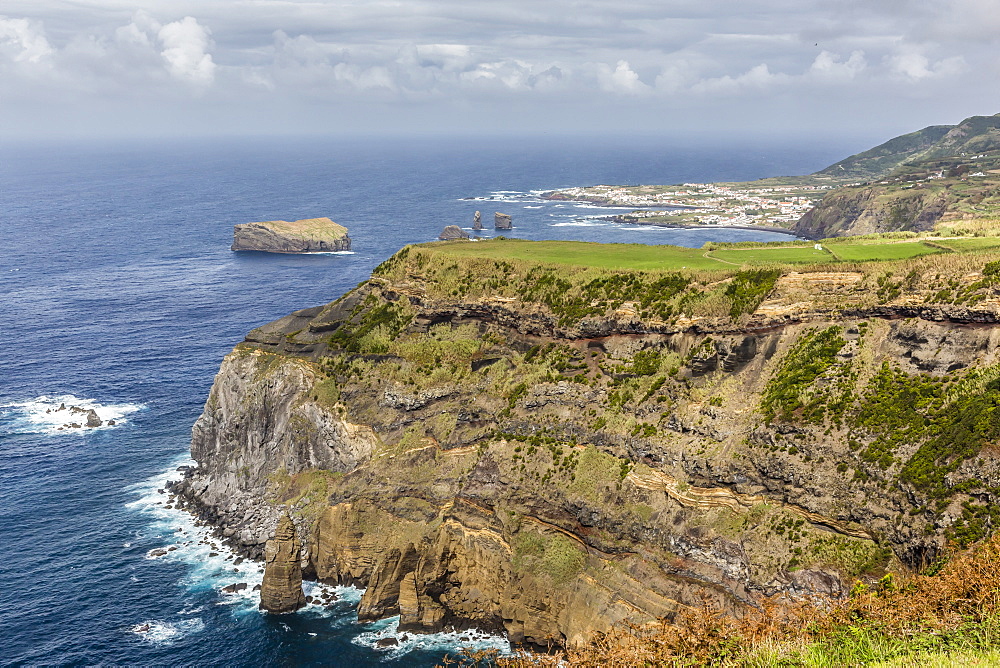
x=623, y=79
x=829, y=67
x=23, y=41
x=455, y=56
x=185, y=50
x=911, y=64
x=758, y=77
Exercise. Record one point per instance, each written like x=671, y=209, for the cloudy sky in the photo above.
x=868, y=68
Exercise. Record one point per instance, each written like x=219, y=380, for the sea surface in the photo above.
x=118, y=292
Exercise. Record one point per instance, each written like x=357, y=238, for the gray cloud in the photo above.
x=325, y=65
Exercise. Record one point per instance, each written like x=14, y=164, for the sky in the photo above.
x=852, y=68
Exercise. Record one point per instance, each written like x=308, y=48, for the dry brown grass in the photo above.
x=963, y=598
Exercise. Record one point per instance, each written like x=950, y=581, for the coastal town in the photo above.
x=723, y=204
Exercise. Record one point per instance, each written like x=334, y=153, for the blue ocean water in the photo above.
x=118, y=291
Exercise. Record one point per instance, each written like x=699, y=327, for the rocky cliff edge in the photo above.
x=480, y=459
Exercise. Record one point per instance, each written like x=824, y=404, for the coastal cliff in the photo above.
x=548, y=451
x=311, y=235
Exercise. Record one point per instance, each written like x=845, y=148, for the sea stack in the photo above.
x=477, y=221
x=502, y=221
x=452, y=232
x=310, y=235
x=281, y=590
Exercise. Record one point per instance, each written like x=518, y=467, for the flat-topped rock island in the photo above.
x=311, y=235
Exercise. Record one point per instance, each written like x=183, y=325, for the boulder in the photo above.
x=281, y=590
x=310, y=235
x=452, y=232
x=93, y=420
x=502, y=221
x=477, y=221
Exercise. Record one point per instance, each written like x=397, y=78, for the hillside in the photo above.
x=974, y=135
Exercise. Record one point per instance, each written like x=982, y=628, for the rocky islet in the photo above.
x=310, y=235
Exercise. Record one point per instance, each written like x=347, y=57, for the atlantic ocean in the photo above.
x=118, y=292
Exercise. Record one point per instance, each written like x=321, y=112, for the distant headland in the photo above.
x=311, y=235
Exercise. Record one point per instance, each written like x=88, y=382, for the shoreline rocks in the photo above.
x=452, y=232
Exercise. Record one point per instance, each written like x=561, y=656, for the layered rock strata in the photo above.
x=486, y=461
x=502, y=221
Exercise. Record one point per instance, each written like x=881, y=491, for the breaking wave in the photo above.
x=63, y=413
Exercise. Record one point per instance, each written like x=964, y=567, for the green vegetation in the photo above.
x=881, y=251
x=749, y=288
x=371, y=326
x=774, y=255
x=969, y=244
x=553, y=555
x=950, y=419
x=788, y=394
x=580, y=253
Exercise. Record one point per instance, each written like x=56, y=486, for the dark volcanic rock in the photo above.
x=452, y=232
x=93, y=420
x=502, y=221
x=281, y=590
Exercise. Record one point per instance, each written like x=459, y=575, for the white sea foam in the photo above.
x=328, y=253
x=450, y=641
x=195, y=546
x=211, y=564
x=580, y=223
x=534, y=207
x=588, y=205
x=51, y=415
x=158, y=632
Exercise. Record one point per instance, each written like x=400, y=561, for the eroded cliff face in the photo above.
x=478, y=461
x=874, y=209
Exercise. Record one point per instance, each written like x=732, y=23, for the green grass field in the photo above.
x=970, y=244
x=780, y=255
x=865, y=252
x=581, y=253
x=643, y=257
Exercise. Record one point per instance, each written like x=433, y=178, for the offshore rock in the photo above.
x=477, y=221
x=281, y=590
x=93, y=420
x=452, y=232
x=311, y=235
x=502, y=221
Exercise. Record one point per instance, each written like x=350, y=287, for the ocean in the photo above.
x=118, y=293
